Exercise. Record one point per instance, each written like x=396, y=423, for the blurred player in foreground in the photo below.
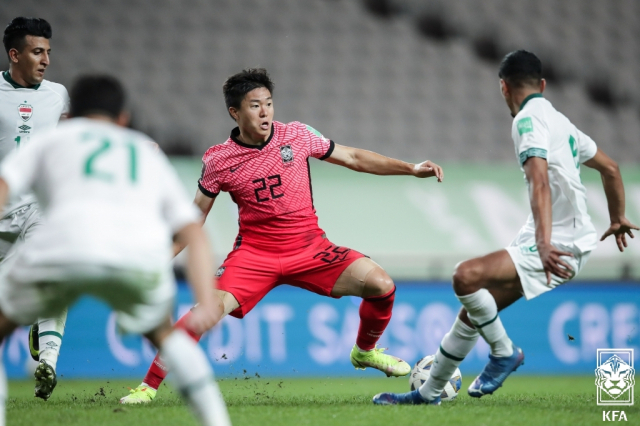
x=551, y=248
x=30, y=105
x=264, y=165
x=111, y=205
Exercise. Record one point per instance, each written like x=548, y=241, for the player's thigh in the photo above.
x=29, y=292
x=363, y=278
x=244, y=278
x=492, y=271
x=318, y=267
x=142, y=301
x=531, y=271
x=229, y=301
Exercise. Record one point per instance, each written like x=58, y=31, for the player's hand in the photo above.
x=620, y=230
x=205, y=315
x=552, y=264
x=428, y=169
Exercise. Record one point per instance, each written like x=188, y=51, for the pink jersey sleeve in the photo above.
x=320, y=147
x=208, y=182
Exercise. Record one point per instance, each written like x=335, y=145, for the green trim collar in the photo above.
x=528, y=98
x=11, y=81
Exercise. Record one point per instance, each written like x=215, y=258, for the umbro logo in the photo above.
x=233, y=169
x=24, y=128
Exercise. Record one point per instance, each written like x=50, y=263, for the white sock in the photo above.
x=50, y=332
x=3, y=392
x=483, y=313
x=362, y=350
x=194, y=378
x=455, y=346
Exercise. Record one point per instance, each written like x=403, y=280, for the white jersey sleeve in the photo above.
x=530, y=136
x=178, y=209
x=20, y=168
x=67, y=104
x=62, y=91
x=586, y=147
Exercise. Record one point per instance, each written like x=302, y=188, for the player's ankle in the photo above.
x=502, y=348
x=363, y=350
x=51, y=357
x=146, y=385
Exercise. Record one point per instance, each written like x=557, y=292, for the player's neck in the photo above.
x=18, y=79
x=519, y=98
x=247, y=138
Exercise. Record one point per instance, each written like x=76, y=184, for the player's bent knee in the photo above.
x=466, y=278
x=378, y=283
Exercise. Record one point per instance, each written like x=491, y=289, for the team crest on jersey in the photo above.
x=287, y=154
x=220, y=271
x=25, y=111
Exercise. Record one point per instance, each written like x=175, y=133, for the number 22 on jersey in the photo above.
x=105, y=146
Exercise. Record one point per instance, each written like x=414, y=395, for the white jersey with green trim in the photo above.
x=25, y=112
x=539, y=130
x=107, y=196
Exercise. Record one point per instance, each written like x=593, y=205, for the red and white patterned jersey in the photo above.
x=271, y=184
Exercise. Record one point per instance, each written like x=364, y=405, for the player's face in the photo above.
x=256, y=114
x=33, y=60
x=506, y=94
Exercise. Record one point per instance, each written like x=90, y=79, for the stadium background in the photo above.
x=407, y=78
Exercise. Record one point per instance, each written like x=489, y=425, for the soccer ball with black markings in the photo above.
x=420, y=374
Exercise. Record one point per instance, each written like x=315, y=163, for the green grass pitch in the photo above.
x=524, y=400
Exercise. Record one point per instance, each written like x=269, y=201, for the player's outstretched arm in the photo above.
x=200, y=276
x=614, y=190
x=204, y=203
x=364, y=161
x=540, y=196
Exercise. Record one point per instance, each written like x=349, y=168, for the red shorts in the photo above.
x=250, y=273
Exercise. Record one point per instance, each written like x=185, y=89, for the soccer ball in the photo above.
x=420, y=374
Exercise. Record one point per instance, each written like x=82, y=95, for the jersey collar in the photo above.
x=236, y=132
x=11, y=81
x=528, y=98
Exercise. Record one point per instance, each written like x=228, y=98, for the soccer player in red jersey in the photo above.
x=264, y=166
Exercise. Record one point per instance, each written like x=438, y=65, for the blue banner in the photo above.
x=296, y=333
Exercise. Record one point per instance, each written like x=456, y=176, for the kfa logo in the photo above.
x=25, y=111
x=287, y=154
x=615, y=377
x=614, y=416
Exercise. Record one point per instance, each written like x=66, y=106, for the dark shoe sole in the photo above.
x=46, y=380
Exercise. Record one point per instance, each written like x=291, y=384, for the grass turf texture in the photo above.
x=332, y=401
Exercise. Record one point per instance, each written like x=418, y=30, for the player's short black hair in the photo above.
x=238, y=85
x=97, y=94
x=521, y=68
x=20, y=28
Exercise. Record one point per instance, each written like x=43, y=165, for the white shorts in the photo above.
x=529, y=266
x=17, y=227
x=142, y=299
